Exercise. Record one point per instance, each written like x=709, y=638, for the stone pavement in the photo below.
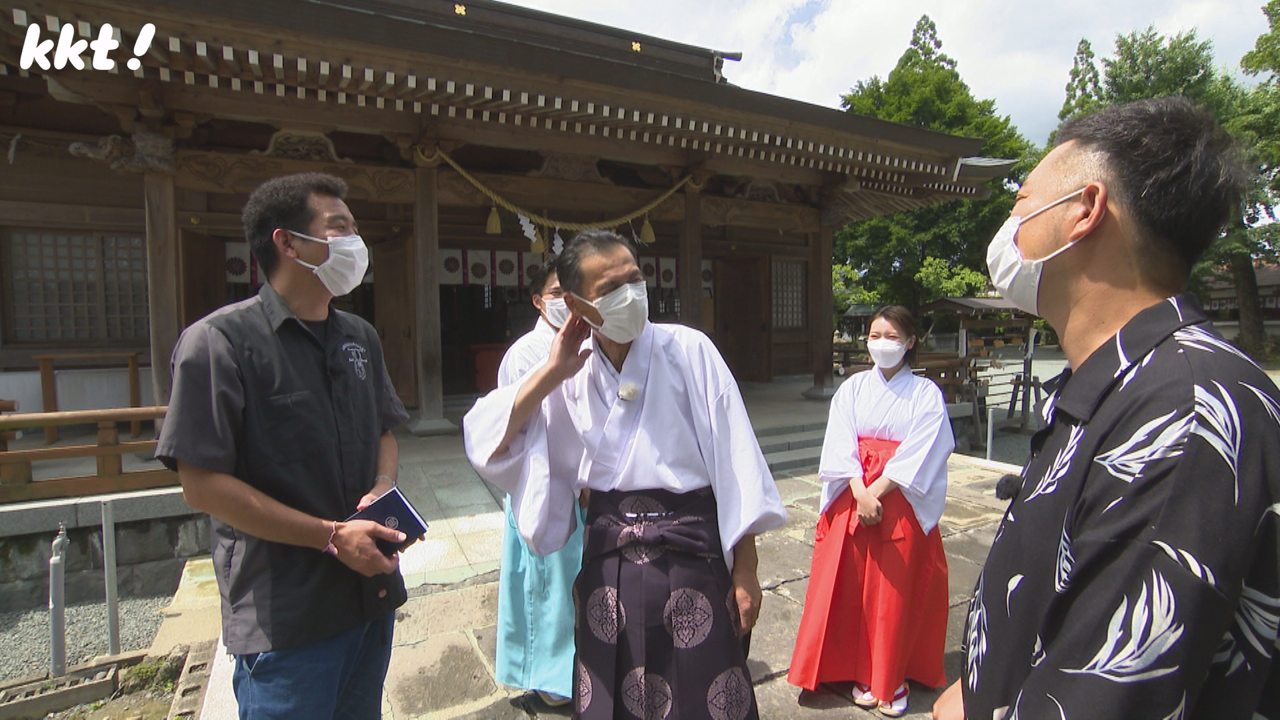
x=443, y=657
x=442, y=664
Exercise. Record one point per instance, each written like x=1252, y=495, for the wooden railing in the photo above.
x=16, y=480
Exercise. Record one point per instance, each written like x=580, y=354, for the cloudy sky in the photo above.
x=1018, y=53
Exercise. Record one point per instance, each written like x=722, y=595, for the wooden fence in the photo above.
x=16, y=480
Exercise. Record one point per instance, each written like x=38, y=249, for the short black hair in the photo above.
x=1175, y=169
x=583, y=245
x=540, y=275
x=905, y=321
x=284, y=202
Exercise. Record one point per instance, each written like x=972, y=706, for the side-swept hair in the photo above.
x=902, y=319
x=584, y=245
x=283, y=202
x=1176, y=170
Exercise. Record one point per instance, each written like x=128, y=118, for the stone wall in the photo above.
x=150, y=554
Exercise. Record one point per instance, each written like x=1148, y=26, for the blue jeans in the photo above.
x=339, y=678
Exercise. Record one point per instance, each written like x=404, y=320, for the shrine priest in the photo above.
x=653, y=421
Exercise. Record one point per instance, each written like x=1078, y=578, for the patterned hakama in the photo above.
x=876, y=607
x=657, y=621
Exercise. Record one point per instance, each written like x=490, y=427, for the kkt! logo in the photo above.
x=68, y=49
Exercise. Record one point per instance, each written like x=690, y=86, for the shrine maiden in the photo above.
x=653, y=421
x=875, y=613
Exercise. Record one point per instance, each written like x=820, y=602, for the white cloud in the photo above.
x=815, y=50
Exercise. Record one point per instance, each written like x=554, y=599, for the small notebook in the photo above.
x=394, y=510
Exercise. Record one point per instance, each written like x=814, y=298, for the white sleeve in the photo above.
x=542, y=507
x=747, y=498
x=919, y=467
x=840, y=463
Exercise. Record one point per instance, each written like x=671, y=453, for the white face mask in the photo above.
x=555, y=311
x=886, y=353
x=623, y=312
x=344, y=269
x=1014, y=277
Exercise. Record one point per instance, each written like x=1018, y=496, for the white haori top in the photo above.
x=685, y=428
x=530, y=351
x=906, y=409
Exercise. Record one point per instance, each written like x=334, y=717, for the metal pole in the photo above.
x=57, y=605
x=991, y=431
x=109, y=576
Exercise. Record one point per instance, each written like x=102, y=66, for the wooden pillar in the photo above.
x=162, y=279
x=690, y=260
x=426, y=293
x=821, y=311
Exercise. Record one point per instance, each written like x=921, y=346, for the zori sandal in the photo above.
x=898, y=706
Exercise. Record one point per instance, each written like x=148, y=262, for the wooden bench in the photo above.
x=49, y=385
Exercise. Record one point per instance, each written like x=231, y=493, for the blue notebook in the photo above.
x=395, y=511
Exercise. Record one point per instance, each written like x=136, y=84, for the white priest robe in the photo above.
x=527, y=353
x=907, y=409
x=684, y=428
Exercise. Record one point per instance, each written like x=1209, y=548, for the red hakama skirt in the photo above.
x=876, y=608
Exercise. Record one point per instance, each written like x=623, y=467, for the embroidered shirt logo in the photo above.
x=356, y=356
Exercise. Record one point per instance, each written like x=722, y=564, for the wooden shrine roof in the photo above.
x=498, y=76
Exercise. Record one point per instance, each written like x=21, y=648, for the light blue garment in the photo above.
x=535, y=613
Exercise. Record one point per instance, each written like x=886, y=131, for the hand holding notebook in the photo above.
x=392, y=509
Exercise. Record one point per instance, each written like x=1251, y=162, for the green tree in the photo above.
x=1084, y=89
x=1146, y=65
x=889, y=253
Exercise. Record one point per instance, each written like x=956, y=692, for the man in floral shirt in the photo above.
x=1137, y=572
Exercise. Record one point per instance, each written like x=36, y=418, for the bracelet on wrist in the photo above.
x=388, y=478
x=330, y=548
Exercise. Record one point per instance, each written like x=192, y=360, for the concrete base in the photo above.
x=820, y=393
x=424, y=427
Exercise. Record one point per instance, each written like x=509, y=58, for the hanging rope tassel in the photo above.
x=646, y=232
x=543, y=220
x=494, y=224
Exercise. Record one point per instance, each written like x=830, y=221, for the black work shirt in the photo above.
x=1137, y=572
x=256, y=395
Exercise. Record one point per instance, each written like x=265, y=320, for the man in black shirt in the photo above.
x=1136, y=573
x=279, y=427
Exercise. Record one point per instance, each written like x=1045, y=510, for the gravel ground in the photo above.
x=24, y=636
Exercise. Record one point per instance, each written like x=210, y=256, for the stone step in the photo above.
x=790, y=429
x=803, y=458
x=791, y=441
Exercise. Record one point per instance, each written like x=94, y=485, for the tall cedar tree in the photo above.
x=899, y=257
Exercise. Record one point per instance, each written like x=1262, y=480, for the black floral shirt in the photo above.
x=1137, y=572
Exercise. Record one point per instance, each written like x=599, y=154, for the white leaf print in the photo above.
x=1062, y=573
x=1180, y=712
x=1037, y=653
x=1219, y=424
x=1112, y=504
x=1013, y=585
x=1124, y=360
x=1002, y=713
x=1046, y=410
x=1194, y=336
x=1268, y=402
x=977, y=639
x=1273, y=510
x=1150, y=630
x=1229, y=652
x=1061, y=713
x=1126, y=461
x=1133, y=371
x=1258, y=618
x=1187, y=560
x=1174, y=302
x=1061, y=464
